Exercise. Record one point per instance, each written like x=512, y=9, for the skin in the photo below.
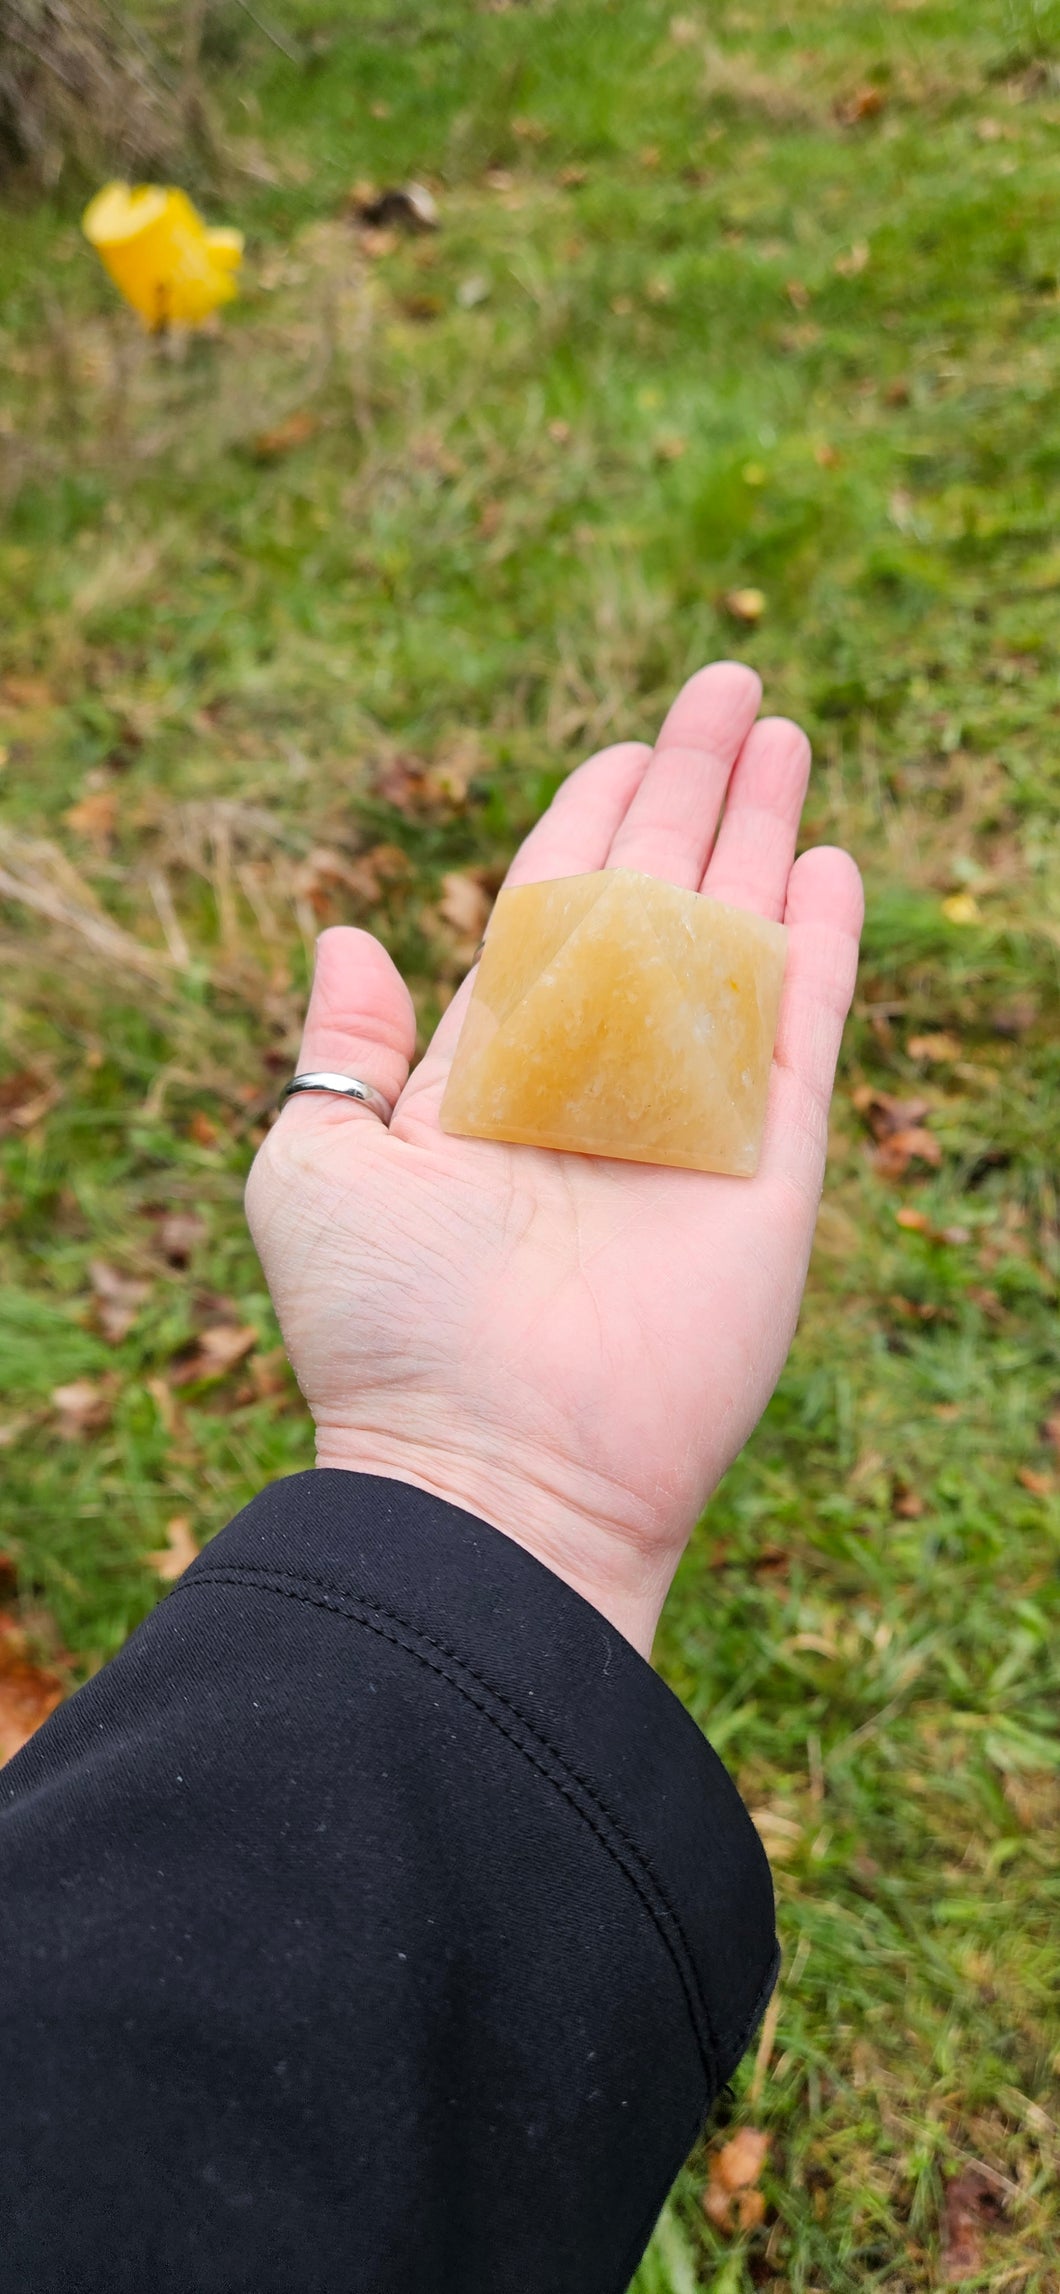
x=572, y=1348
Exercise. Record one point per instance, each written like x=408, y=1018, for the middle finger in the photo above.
x=669, y=827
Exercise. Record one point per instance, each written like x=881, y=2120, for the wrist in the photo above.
x=626, y=1579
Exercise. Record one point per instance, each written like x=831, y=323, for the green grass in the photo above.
x=717, y=338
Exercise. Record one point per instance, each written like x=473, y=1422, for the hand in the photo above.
x=572, y=1348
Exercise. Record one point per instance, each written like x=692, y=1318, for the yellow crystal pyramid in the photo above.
x=613, y=1014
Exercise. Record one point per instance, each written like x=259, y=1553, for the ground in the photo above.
x=740, y=333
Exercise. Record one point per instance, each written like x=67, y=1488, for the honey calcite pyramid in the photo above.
x=613, y=1014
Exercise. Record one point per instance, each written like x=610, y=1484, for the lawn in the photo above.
x=740, y=333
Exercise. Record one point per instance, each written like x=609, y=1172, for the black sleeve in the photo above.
x=377, y=1923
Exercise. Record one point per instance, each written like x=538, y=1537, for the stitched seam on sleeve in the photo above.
x=241, y=1573
x=374, y=1617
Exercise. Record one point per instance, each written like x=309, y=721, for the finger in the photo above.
x=576, y=833
x=669, y=827
x=824, y=913
x=571, y=839
x=751, y=860
x=360, y=1023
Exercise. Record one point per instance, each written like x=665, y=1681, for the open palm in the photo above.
x=571, y=1347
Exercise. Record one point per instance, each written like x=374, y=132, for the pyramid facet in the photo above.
x=613, y=1014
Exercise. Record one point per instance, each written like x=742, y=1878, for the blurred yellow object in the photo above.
x=961, y=908
x=159, y=252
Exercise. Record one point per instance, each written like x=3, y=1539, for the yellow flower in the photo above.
x=159, y=252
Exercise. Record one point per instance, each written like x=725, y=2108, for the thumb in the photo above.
x=360, y=1021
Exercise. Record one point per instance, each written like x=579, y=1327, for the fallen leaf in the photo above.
x=1039, y=1485
x=918, y=1223
x=746, y=605
x=1051, y=1430
x=961, y=908
x=26, y=692
x=884, y=1113
x=422, y=308
x=571, y=178
x=94, y=817
x=1016, y=1018
x=934, y=1047
x=972, y=2202
x=731, y=2201
x=202, y=1131
x=178, y=1552
x=377, y=244
x=217, y=1352
x=28, y=1692
x=179, y=1234
x=399, y=781
x=897, y=392
x=856, y=260
x=84, y=1406
x=531, y=130
x=908, y=1503
x=465, y=904
x=118, y=1297
x=24, y=1099
x=409, y=206
x=798, y=294
x=294, y=431
x=670, y=447
x=864, y=103
x=893, y=1157
x=827, y=457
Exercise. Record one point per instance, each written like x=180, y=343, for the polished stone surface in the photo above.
x=613, y=1014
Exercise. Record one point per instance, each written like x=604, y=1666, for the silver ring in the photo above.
x=342, y=1087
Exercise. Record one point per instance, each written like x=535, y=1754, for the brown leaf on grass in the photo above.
x=26, y=692
x=1016, y=1018
x=941, y=1046
x=731, y=2201
x=1039, y=1484
x=907, y=1502
x=294, y=431
x=218, y=1351
x=84, y=1406
x=179, y=1234
x=28, y=1692
x=178, y=1552
x=465, y=904
x=918, y=1223
x=854, y=262
x=973, y=2202
x=24, y=1099
x=94, y=817
x=118, y=1298
x=1051, y=1430
x=893, y=1157
x=898, y=1127
x=884, y=1114
x=863, y=103
x=204, y=1132
x=399, y=781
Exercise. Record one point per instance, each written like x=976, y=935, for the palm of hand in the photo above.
x=572, y=1347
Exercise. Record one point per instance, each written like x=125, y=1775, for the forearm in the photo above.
x=378, y=1918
